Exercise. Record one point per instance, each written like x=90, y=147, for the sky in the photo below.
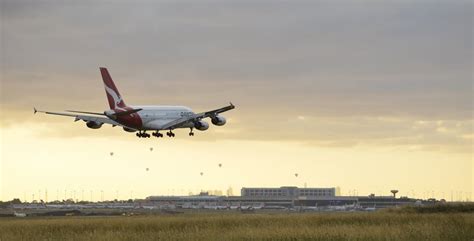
x=367, y=96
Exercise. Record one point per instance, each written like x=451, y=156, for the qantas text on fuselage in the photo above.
x=144, y=118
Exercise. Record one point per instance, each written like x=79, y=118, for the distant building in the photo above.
x=289, y=192
x=282, y=197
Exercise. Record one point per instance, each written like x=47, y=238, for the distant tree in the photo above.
x=15, y=201
x=3, y=204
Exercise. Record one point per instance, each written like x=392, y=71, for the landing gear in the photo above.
x=157, y=134
x=143, y=134
x=170, y=133
x=191, y=133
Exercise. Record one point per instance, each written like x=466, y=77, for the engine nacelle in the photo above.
x=94, y=125
x=128, y=129
x=201, y=125
x=218, y=121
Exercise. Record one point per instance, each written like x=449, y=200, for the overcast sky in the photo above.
x=320, y=73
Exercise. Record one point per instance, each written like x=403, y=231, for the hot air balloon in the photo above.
x=220, y=164
x=147, y=169
x=202, y=173
x=111, y=153
x=151, y=148
x=296, y=174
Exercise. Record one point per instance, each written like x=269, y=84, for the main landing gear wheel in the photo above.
x=143, y=134
x=157, y=134
x=170, y=133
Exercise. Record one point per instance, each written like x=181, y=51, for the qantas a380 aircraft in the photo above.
x=143, y=118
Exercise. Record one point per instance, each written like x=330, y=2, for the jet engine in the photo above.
x=94, y=125
x=201, y=125
x=218, y=121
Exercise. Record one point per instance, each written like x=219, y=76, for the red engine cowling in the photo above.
x=201, y=125
x=218, y=121
x=94, y=125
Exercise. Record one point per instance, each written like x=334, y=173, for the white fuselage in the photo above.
x=154, y=117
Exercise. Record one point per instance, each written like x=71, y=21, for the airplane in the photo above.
x=140, y=119
x=19, y=215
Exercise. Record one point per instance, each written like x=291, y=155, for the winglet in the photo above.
x=35, y=110
x=232, y=105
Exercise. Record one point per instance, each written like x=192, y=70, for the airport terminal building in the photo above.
x=283, y=197
x=290, y=192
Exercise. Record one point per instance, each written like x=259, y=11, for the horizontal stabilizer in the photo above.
x=127, y=112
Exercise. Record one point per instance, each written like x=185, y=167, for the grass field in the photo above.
x=226, y=226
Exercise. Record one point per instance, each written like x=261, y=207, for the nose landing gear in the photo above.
x=191, y=133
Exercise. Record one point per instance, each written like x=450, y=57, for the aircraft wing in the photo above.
x=196, y=117
x=213, y=113
x=85, y=118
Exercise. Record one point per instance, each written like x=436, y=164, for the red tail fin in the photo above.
x=113, y=95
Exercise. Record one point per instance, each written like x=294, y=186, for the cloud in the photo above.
x=418, y=135
x=356, y=72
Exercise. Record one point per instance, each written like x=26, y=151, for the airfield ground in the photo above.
x=380, y=225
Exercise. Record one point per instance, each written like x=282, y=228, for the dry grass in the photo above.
x=314, y=226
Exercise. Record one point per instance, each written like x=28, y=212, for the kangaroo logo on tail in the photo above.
x=113, y=95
